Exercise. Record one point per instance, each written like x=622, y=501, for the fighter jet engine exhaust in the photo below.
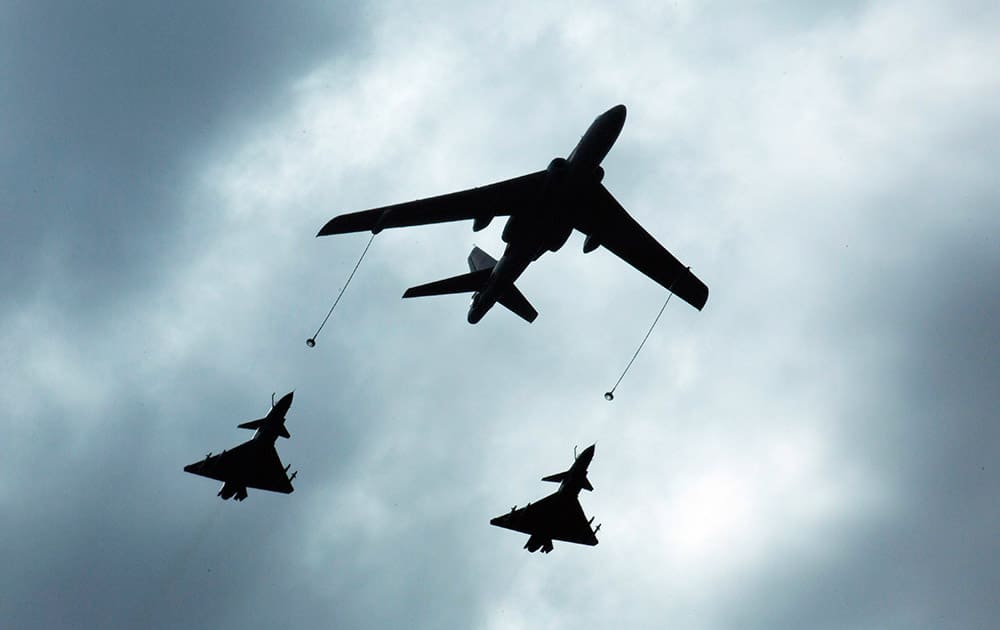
x=537, y=542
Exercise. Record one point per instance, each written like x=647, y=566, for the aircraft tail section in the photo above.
x=560, y=477
x=481, y=267
x=515, y=301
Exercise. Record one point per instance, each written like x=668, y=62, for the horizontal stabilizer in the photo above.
x=559, y=477
x=253, y=425
x=514, y=300
x=465, y=283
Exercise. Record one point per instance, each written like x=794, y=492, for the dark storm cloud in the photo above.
x=109, y=108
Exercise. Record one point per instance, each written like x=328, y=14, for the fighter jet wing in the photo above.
x=250, y=464
x=485, y=202
x=613, y=228
x=553, y=517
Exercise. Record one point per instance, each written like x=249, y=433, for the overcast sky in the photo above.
x=818, y=448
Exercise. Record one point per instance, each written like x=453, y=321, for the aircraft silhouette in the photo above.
x=255, y=463
x=559, y=515
x=544, y=208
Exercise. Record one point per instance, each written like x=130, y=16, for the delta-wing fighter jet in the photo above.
x=559, y=515
x=544, y=208
x=255, y=463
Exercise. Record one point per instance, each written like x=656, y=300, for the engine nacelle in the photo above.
x=480, y=223
x=557, y=163
x=559, y=238
x=590, y=244
x=598, y=174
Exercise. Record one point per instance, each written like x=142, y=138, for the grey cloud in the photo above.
x=109, y=112
x=411, y=428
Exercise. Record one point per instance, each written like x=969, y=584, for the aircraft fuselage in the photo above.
x=576, y=476
x=274, y=422
x=528, y=235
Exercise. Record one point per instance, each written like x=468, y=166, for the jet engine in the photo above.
x=590, y=244
x=598, y=174
x=559, y=238
x=480, y=223
x=229, y=490
x=536, y=542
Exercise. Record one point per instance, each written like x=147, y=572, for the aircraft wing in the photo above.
x=485, y=202
x=250, y=464
x=553, y=517
x=613, y=228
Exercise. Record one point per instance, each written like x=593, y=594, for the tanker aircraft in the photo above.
x=559, y=515
x=544, y=208
x=255, y=463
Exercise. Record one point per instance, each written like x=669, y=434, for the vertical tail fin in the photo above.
x=479, y=260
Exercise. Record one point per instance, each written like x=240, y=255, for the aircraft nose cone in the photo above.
x=617, y=113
